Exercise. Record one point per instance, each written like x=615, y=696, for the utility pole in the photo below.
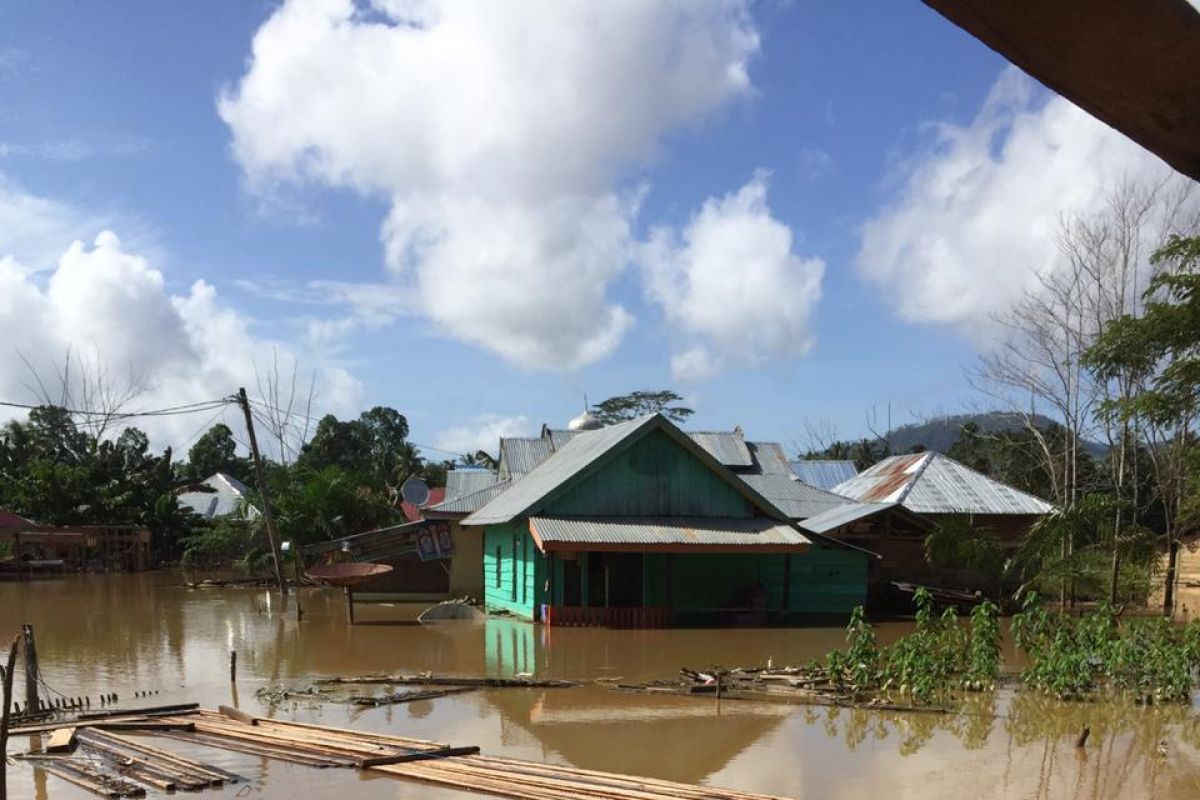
x=261, y=478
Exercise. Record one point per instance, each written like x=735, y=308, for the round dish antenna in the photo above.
x=415, y=491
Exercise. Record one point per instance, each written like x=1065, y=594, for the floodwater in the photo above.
x=145, y=633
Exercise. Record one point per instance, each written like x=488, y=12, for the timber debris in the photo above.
x=335, y=689
x=121, y=766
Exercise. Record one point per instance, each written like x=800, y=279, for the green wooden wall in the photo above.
x=653, y=477
x=511, y=568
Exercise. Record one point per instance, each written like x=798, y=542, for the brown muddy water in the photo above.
x=127, y=634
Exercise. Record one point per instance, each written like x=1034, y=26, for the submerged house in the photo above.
x=640, y=524
x=897, y=502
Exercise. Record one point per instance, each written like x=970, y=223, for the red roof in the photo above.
x=11, y=520
x=413, y=513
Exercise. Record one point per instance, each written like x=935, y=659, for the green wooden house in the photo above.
x=636, y=525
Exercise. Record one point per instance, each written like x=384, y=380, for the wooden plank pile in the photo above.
x=112, y=764
x=435, y=762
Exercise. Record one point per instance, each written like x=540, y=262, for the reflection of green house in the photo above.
x=637, y=525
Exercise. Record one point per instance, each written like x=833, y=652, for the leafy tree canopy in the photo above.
x=640, y=403
x=216, y=451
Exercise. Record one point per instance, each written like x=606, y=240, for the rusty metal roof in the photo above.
x=824, y=473
x=643, y=533
x=931, y=483
x=795, y=499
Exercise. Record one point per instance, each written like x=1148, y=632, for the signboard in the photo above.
x=434, y=542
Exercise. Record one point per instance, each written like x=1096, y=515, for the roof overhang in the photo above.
x=665, y=535
x=1131, y=65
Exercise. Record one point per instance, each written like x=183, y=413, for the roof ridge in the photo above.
x=926, y=460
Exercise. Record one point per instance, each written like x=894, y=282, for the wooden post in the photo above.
x=350, y=605
x=5, y=702
x=261, y=479
x=233, y=666
x=33, y=676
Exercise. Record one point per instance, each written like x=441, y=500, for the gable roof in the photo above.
x=769, y=458
x=931, y=483
x=588, y=450
x=218, y=495
x=824, y=473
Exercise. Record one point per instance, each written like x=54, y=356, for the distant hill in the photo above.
x=940, y=433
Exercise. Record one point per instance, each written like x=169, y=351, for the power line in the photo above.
x=190, y=408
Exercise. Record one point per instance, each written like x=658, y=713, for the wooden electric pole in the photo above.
x=261, y=478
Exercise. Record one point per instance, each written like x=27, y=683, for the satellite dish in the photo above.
x=415, y=491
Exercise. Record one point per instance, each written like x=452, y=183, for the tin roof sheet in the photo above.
x=727, y=447
x=838, y=516
x=769, y=458
x=931, y=483
x=469, y=503
x=649, y=532
x=218, y=495
x=580, y=453
x=520, y=456
x=460, y=482
x=795, y=499
x=823, y=473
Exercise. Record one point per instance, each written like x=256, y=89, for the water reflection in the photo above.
x=131, y=633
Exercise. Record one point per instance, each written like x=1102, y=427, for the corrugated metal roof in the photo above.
x=769, y=458
x=824, y=473
x=931, y=483
x=470, y=503
x=521, y=456
x=795, y=499
x=559, y=436
x=578, y=454
x=648, y=532
x=460, y=481
x=727, y=447
x=222, y=496
x=572, y=459
x=836, y=517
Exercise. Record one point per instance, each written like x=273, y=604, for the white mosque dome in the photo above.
x=585, y=422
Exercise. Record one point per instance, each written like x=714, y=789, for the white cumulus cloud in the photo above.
x=483, y=433
x=499, y=133
x=976, y=217
x=731, y=283
x=110, y=312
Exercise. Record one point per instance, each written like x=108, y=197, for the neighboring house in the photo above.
x=824, y=473
x=640, y=524
x=217, y=497
x=1186, y=586
x=900, y=499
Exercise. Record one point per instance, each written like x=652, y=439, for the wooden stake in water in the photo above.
x=33, y=676
x=5, y=702
x=233, y=666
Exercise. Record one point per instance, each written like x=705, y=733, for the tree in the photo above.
x=624, y=407
x=374, y=446
x=215, y=451
x=1159, y=352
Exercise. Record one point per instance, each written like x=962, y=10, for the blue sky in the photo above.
x=879, y=132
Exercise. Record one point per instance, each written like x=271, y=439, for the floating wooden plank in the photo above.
x=61, y=741
x=421, y=755
x=406, y=697
x=142, y=712
x=238, y=714
x=146, y=726
x=165, y=762
x=89, y=778
x=454, y=680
